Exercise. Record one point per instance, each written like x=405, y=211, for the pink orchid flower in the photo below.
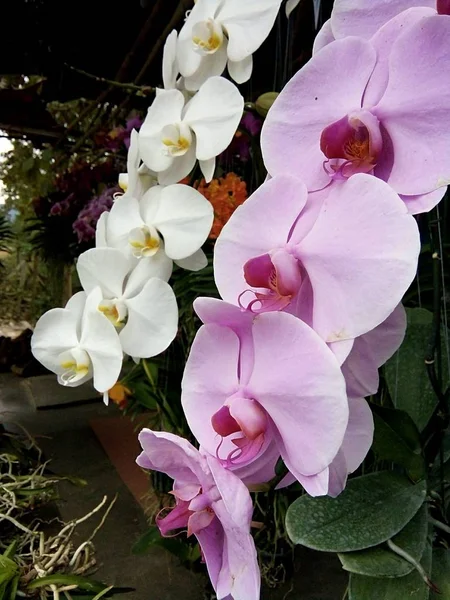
x=375, y=106
x=259, y=386
x=363, y=18
x=340, y=259
x=212, y=504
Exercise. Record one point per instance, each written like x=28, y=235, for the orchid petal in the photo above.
x=247, y=24
x=211, y=65
x=417, y=123
x=100, y=340
x=123, y=218
x=304, y=394
x=214, y=114
x=159, y=265
x=423, y=202
x=104, y=267
x=241, y=71
x=210, y=377
x=152, y=320
x=195, y=262
x=208, y=167
x=324, y=37
x=170, y=65
x=271, y=211
x=330, y=85
x=290, y=6
x=100, y=230
x=179, y=168
x=337, y=475
x=359, y=435
x=346, y=276
x=183, y=216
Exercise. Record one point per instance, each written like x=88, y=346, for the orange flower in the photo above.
x=118, y=394
x=225, y=194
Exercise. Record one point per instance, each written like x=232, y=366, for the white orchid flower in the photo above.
x=138, y=179
x=168, y=224
x=170, y=69
x=134, y=297
x=218, y=33
x=79, y=343
x=174, y=134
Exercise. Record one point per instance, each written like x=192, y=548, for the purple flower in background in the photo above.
x=250, y=126
x=85, y=224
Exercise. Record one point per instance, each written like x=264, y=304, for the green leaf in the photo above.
x=371, y=510
x=176, y=546
x=410, y=587
x=441, y=573
x=406, y=373
x=382, y=562
x=83, y=583
x=397, y=439
x=8, y=569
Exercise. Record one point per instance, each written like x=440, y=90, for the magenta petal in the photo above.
x=250, y=416
x=199, y=520
x=177, y=518
x=271, y=212
x=212, y=310
x=324, y=37
x=370, y=351
x=257, y=271
x=297, y=379
x=211, y=542
x=383, y=41
x=363, y=18
x=327, y=88
x=423, y=202
x=223, y=423
x=359, y=435
x=346, y=275
x=417, y=123
x=262, y=469
x=288, y=273
x=443, y=7
x=170, y=454
x=210, y=377
x=337, y=475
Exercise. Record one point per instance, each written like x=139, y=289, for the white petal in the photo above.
x=290, y=5
x=208, y=167
x=247, y=23
x=195, y=262
x=123, y=218
x=170, y=64
x=133, y=161
x=101, y=341
x=241, y=71
x=100, y=230
x=179, y=169
x=153, y=153
x=214, y=114
x=188, y=59
x=184, y=219
x=55, y=332
x=76, y=306
x=210, y=66
x=152, y=320
x=165, y=109
x=104, y=267
x=159, y=265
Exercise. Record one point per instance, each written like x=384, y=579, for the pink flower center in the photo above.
x=194, y=514
x=443, y=7
x=278, y=277
x=352, y=145
x=247, y=418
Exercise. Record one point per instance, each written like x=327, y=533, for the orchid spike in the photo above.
x=212, y=504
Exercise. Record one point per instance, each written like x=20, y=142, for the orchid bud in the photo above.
x=264, y=102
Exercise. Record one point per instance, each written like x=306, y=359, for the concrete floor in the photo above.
x=75, y=450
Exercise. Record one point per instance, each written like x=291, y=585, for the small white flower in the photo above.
x=168, y=224
x=79, y=343
x=134, y=297
x=220, y=33
x=174, y=134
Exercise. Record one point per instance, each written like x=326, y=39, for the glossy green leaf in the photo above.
x=380, y=561
x=83, y=583
x=441, y=573
x=406, y=373
x=8, y=569
x=371, y=510
x=397, y=439
x=410, y=587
